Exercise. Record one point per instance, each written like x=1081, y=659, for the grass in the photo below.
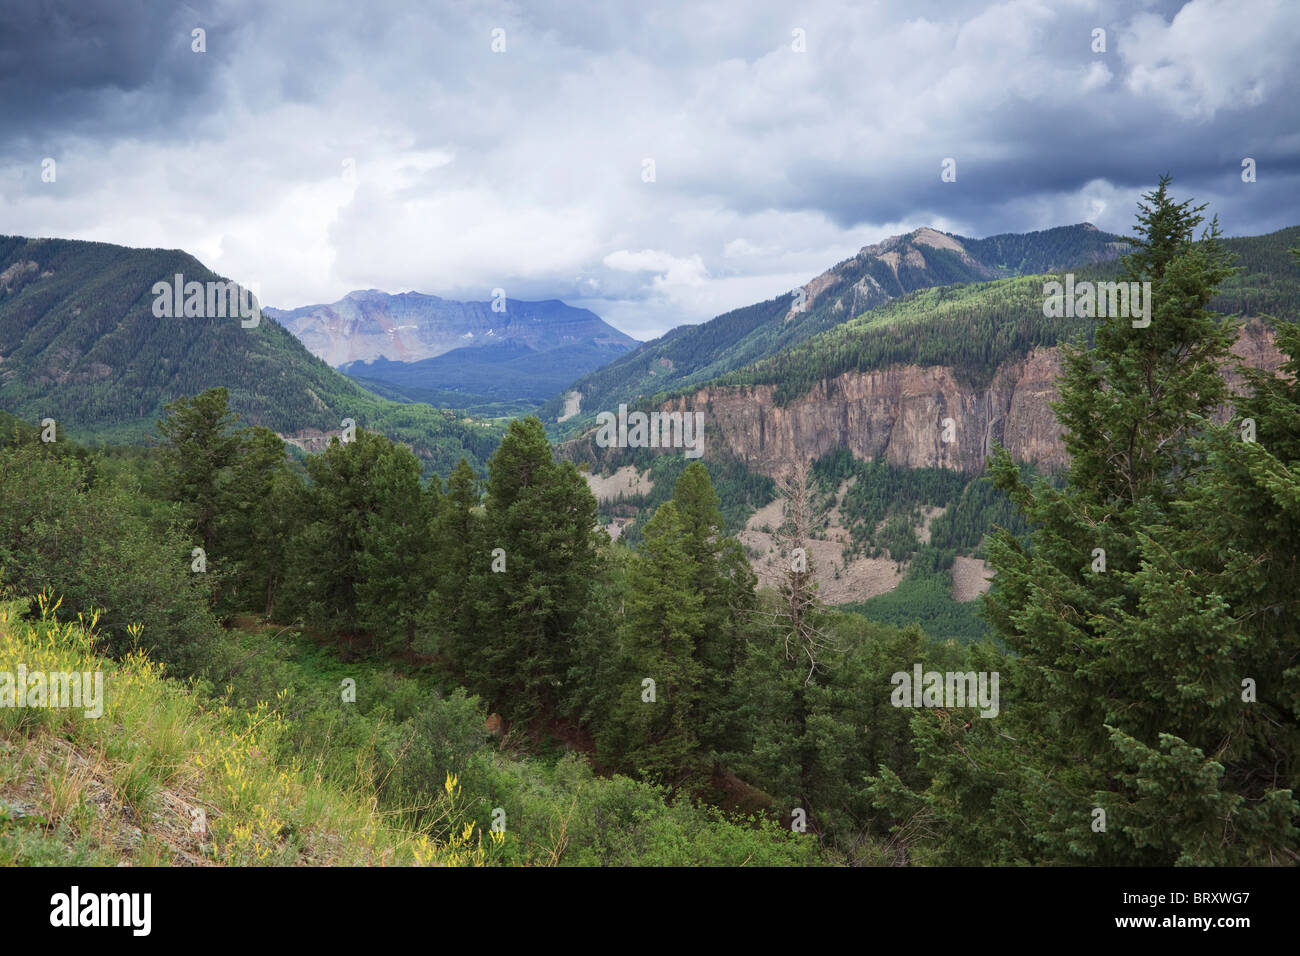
x=167, y=775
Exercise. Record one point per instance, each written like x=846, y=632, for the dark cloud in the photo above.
x=99, y=68
x=327, y=145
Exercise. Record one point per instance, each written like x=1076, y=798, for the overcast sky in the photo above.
x=320, y=147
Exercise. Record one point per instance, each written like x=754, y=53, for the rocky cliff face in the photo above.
x=915, y=417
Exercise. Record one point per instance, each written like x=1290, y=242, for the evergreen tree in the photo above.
x=1131, y=610
x=396, y=559
x=357, y=561
x=261, y=512
x=662, y=723
x=458, y=544
x=199, y=446
x=540, y=524
x=725, y=582
x=690, y=591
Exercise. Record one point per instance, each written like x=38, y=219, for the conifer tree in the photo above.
x=260, y=517
x=199, y=445
x=1126, y=735
x=459, y=547
x=664, y=720
x=534, y=577
x=357, y=562
x=396, y=560
x=690, y=591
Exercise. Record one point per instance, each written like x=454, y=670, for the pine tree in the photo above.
x=396, y=559
x=662, y=723
x=725, y=582
x=690, y=591
x=368, y=530
x=260, y=515
x=459, y=547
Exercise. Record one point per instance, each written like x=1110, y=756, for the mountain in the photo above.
x=79, y=343
x=924, y=258
x=868, y=402
x=369, y=327
x=981, y=354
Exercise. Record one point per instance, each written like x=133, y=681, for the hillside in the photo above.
x=164, y=776
x=977, y=328
x=865, y=400
x=79, y=343
x=922, y=259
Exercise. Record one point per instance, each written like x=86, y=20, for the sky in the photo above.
x=657, y=163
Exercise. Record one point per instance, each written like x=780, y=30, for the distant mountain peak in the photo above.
x=412, y=326
x=933, y=237
x=894, y=253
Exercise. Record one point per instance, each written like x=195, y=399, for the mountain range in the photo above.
x=924, y=258
x=778, y=384
x=862, y=357
x=423, y=348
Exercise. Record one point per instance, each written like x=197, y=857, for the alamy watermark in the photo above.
x=1098, y=300
x=653, y=430
x=57, y=689
x=205, y=300
x=946, y=689
x=75, y=908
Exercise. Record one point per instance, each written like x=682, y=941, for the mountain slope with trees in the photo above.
x=79, y=343
x=921, y=259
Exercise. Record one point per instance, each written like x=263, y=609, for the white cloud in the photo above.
x=1213, y=55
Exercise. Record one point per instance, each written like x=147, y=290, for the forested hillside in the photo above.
x=486, y=379
x=79, y=343
x=978, y=327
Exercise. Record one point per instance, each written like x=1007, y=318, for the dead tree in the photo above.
x=800, y=609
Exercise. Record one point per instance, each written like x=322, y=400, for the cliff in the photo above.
x=900, y=413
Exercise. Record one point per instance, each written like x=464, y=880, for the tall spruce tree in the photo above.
x=396, y=560
x=200, y=444
x=534, y=576
x=690, y=591
x=358, y=563
x=459, y=547
x=261, y=514
x=660, y=724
